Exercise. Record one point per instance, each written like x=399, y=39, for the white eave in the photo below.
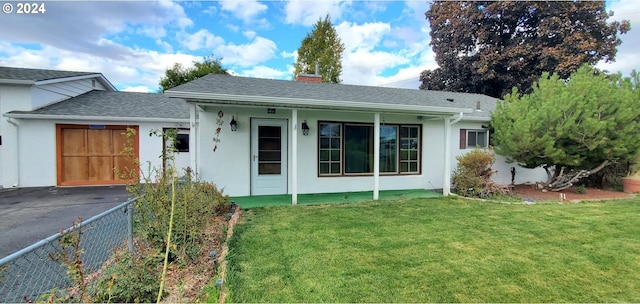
x=99, y=76
x=93, y=118
x=298, y=103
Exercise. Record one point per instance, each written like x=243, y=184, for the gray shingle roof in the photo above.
x=116, y=104
x=38, y=74
x=251, y=87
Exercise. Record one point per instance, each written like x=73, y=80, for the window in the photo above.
x=182, y=142
x=473, y=138
x=347, y=148
x=330, y=151
x=409, y=149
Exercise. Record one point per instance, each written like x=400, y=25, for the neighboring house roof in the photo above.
x=106, y=105
x=13, y=75
x=226, y=89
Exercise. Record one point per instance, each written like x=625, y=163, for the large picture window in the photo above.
x=347, y=149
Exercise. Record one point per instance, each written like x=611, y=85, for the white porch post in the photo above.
x=376, y=156
x=446, y=174
x=294, y=156
x=193, y=139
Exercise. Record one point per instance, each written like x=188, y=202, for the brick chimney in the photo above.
x=309, y=78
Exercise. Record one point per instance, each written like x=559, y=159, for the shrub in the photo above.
x=196, y=203
x=130, y=279
x=472, y=176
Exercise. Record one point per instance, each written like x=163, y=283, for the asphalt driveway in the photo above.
x=28, y=215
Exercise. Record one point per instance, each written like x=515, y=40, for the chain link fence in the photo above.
x=31, y=272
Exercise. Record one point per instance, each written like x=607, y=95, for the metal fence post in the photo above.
x=130, y=211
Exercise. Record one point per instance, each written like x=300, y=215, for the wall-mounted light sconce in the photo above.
x=233, y=124
x=305, y=128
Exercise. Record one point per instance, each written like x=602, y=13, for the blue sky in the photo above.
x=133, y=42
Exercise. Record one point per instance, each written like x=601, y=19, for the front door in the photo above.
x=268, y=156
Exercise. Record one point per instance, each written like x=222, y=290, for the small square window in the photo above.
x=182, y=143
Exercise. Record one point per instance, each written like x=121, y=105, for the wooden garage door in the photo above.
x=89, y=154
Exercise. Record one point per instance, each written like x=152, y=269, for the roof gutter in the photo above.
x=323, y=104
x=94, y=118
x=457, y=119
x=17, y=81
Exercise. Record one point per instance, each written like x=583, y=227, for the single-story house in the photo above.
x=62, y=128
x=249, y=136
x=262, y=136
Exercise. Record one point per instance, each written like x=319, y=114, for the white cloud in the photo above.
x=155, y=32
x=246, y=10
x=264, y=72
x=285, y=54
x=165, y=46
x=249, y=34
x=407, y=78
x=259, y=50
x=307, y=12
x=364, y=37
x=199, y=40
x=91, y=22
x=628, y=56
x=362, y=67
x=139, y=89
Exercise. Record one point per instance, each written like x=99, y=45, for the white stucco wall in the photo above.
x=229, y=167
x=37, y=148
x=12, y=98
x=503, y=174
x=27, y=98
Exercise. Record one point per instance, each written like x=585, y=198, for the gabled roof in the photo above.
x=106, y=105
x=13, y=75
x=226, y=89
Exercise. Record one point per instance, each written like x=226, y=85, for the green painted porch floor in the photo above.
x=246, y=202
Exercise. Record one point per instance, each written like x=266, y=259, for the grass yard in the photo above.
x=437, y=250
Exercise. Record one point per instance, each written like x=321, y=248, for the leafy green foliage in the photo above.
x=179, y=74
x=323, y=46
x=490, y=47
x=129, y=279
x=196, y=203
x=582, y=123
x=472, y=176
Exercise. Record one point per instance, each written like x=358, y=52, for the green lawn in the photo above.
x=437, y=250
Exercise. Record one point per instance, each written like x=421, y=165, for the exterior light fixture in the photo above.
x=233, y=124
x=305, y=128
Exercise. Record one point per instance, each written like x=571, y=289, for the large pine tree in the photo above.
x=571, y=128
x=321, y=46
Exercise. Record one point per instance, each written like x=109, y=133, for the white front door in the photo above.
x=268, y=156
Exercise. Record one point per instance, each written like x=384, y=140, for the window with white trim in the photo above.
x=347, y=149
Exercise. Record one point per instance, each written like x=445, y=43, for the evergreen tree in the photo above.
x=321, y=46
x=575, y=127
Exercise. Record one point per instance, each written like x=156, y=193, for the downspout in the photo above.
x=456, y=120
x=17, y=154
x=446, y=179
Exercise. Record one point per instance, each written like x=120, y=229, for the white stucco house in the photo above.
x=63, y=128
x=295, y=137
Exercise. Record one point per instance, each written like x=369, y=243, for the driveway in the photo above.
x=28, y=215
